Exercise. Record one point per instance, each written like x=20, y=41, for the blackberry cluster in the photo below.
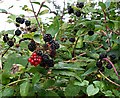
x=20, y=20
x=32, y=46
x=77, y=13
x=51, y=44
x=9, y=41
x=35, y=59
x=99, y=63
x=46, y=61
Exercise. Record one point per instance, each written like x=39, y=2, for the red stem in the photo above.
x=106, y=59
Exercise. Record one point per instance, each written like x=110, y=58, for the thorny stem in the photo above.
x=109, y=79
x=35, y=16
x=106, y=59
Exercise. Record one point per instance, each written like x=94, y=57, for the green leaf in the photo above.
x=84, y=83
x=44, y=12
x=24, y=88
x=36, y=78
x=71, y=90
x=99, y=84
x=89, y=71
x=108, y=93
x=53, y=28
x=48, y=83
x=52, y=94
x=79, y=43
x=107, y=3
x=8, y=92
x=36, y=38
x=103, y=6
x=91, y=90
x=3, y=11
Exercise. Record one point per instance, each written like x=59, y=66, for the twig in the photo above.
x=63, y=10
x=109, y=79
x=40, y=8
x=36, y=16
x=106, y=59
x=73, y=53
x=5, y=51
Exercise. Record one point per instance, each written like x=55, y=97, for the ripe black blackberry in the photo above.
x=54, y=45
x=78, y=13
x=52, y=53
x=109, y=66
x=45, y=57
x=27, y=23
x=50, y=63
x=70, y=10
x=102, y=69
x=112, y=56
x=17, y=25
x=39, y=52
x=10, y=43
x=99, y=64
x=17, y=32
x=103, y=55
x=20, y=20
x=90, y=33
x=32, y=46
x=72, y=39
x=80, y=4
x=5, y=38
x=47, y=37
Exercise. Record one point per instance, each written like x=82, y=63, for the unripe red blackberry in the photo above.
x=47, y=37
x=17, y=32
x=27, y=23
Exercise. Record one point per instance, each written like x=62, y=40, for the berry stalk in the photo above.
x=106, y=59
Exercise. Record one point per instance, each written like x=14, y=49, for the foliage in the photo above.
x=75, y=72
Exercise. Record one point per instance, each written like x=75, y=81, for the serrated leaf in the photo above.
x=44, y=12
x=24, y=88
x=71, y=90
x=48, y=83
x=8, y=92
x=52, y=94
x=89, y=71
x=36, y=78
x=53, y=28
x=91, y=90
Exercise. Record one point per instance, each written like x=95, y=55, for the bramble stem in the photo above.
x=106, y=59
x=109, y=79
